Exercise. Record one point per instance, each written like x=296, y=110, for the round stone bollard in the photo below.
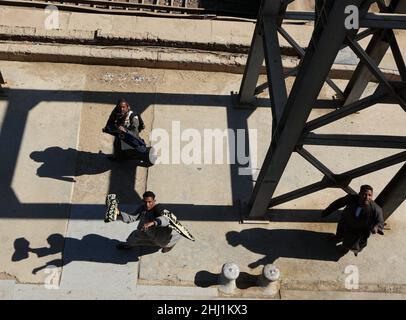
x=229, y=273
x=269, y=279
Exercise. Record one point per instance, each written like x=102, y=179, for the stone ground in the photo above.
x=55, y=176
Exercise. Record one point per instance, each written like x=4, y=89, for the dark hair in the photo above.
x=148, y=194
x=365, y=187
x=122, y=100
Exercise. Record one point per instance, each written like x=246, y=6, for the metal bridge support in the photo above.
x=2, y=82
x=291, y=131
x=394, y=193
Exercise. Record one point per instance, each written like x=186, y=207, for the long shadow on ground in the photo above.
x=91, y=247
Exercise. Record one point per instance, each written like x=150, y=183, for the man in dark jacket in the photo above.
x=361, y=217
x=124, y=120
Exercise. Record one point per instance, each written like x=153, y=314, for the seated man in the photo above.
x=123, y=120
x=153, y=228
x=361, y=217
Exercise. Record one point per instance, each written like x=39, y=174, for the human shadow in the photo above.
x=87, y=163
x=91, y=247
x=286, y=243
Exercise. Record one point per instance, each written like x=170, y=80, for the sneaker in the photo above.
x=166, y=249
x=342, y=250
x=112, y=210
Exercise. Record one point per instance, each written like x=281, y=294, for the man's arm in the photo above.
x=137, y=123
x=159, y=221
x=141, y=125
x=337, y=204
x=110, y=126
x=378, y=220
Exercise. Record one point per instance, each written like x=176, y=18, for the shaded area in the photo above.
x=88, y=163
x=242, y=183
x=92, y=247
x=22, y=101
x=299, y=215
x=284, y=243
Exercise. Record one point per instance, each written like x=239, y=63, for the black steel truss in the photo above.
x=290, y=129
x=2, y=82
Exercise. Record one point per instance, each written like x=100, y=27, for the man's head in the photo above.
x=365, y=194
x=122, y=106
x=149, y=199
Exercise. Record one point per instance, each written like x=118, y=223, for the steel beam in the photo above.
x=373, y=68
x=376, y=50
x=327, y=38
x=301, y=53
x=344, y=111
x=274, y=68
x=340, y=179
x=301, y=192
x=323, y=169
x=376, y=165
x=393, y=195
x=346, y=140
x=397, y=54
x=299, y=15
x=383, y=21
x=256, y=54
x=2, y=82
x=252, y=68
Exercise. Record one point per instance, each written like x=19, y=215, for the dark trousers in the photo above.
x=129, y=154
x=353, y=238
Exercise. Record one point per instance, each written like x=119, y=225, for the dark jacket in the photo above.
x=131, y=121
x=162, y=233
x=370, y=217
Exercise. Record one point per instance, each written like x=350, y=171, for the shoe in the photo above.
x=343, y=250
x=112, y=210
x=166, y=249
x=123, y=246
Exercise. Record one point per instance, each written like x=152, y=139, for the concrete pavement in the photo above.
x=55, y=196
x=54, y=174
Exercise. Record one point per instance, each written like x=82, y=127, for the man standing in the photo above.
x=361, y=217
x=154, y=227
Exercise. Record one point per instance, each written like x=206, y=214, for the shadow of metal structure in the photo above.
x=291, y=131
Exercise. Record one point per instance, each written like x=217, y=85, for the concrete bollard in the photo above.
x=229, y=273
x=269, y=279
